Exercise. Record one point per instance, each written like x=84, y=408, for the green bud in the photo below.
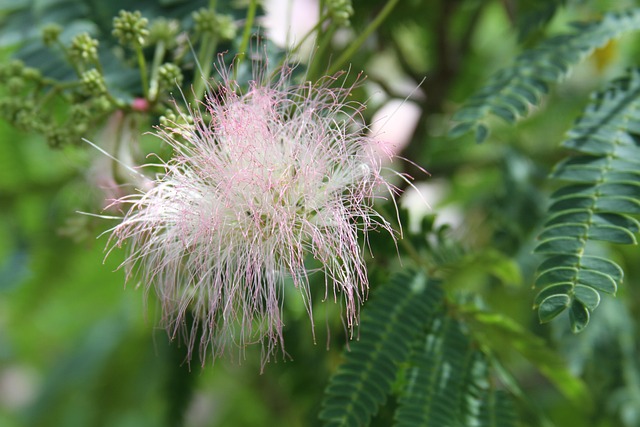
x=170, y=119
x=84, y=48
x=33, y=74
x=101, y=104
x=130, y=28
x=167, y=120
x=93, y=82
x=169, y=75
x=8, y=108
x=79, y=113
x=207, y=21
x=340, y=11
x=57, y=136
x=15, y=68
x=80, y=128
x=51, y=33
x=226, y=27
x=164, y=30
x=25, y=119
x=15, y=84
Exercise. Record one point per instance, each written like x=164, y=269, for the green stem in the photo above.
x=69, y=59
x=246, y=33
x=57, y=88
x=321, y=13
x=158, y=56
x=295, y=48
x=325, y=40
x=351, y=50
x=142, y=63
x=205, y=59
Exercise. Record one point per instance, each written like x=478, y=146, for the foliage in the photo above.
x=597, y=206
x=513, y=92
x=409, y=339
x=389, y=329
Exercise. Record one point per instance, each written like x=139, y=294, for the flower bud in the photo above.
x=169, y=75
x=93, y=82
x=84, y=48
x=208, y=21
x=130, y=28
x=340, y=11
x=51, y=34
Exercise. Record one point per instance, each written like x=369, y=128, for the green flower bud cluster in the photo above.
x=169, y=75
x=165, y=31
x=80, y=119
x=26, y=117
x=17, y=106
x=130, y=28
x=340, y=11
x=93, y=83
x=24, y=106
x=168, y=118
x=171, y=120
x=16, y=75
x=207, y=21
x=84, y=48
x=58, y=136
x=51, y=34
x=27, y=97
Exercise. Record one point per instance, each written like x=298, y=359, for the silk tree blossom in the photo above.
x=261, y=182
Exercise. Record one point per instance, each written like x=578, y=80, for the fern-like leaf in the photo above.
x=511, y=92
x=604, y=191
x=534, y=14
x=496, y=410
x=448, y=383
x=390, y=323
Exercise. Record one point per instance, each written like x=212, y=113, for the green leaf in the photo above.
x=482, y=132
x=596, y=209
x=555, y=289
x=630, y=189
x=597, y=280
x=389, y=325
x=618, y=204
x=611, y=234
x=574, y=202
x=460, y=129
x=618, y=220
x=604, y=266
x=565, y=230
x=587, y=296
x=557, y=275
x=560, y=245
x=552, y=306
x=578, y=317
x=447, y=381
x=509, y=93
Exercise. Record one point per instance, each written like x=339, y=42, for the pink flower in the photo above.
x=262, y=181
